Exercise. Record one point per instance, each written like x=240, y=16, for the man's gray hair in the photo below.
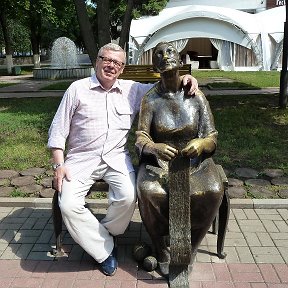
x=111, y=46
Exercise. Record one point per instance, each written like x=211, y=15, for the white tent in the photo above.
x=225, y=27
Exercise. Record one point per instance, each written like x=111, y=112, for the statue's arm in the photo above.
x=207, y=134
x=144, y=142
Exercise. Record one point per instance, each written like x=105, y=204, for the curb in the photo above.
x=102, y=203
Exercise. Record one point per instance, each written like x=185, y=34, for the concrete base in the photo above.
x=62, y=73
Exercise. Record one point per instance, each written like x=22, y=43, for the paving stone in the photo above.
x=4, y=182
x=10, y=251
x=282, y=226
x=251, y=226
x=6, y=191
x=266, y=255
x=33, y=172
x=270, y=226
x=8, y=174
x=237, y=192
x=284, y=253
x=233, y=226
x=235, y=182
x=45, y=255
x=30, y=189
x=283, y=193
x=47, y=193
x=22, y=181
x=246, y=172
x=283, y=213
x=250, y=214
x=257, y=182
x=23, y=251
x=232, y=255
x=262, y=192
x=46, y=182
x=280, y=181
x=245, y=254
x=252, y=239
x=273, y=173
x=239, y=214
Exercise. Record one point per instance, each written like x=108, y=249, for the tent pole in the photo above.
x=284, y=72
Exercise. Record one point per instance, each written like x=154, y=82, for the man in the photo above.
x=94, y=117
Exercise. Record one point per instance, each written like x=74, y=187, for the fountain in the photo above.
x=64, y=62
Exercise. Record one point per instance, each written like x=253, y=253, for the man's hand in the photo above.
x=59, y=174
x=190, y=83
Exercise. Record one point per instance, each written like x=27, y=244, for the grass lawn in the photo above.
x=253, y=132
x=243, y=80
x=255, y=79
x=23, y=132
x=5, y=84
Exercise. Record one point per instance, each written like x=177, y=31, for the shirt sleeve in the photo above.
x=60, y=126
x=142, y=89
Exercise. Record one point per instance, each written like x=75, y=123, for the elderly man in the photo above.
x=93, y=119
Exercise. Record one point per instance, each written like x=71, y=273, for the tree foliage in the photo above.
x=35, y=24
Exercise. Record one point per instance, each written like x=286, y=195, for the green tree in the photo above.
x=111, y=19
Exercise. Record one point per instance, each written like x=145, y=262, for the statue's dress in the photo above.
x=176, y=119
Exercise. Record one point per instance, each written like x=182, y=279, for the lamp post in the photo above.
x=284, y=73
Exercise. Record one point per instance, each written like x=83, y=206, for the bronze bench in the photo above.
x=145, y=73
x=219, y=225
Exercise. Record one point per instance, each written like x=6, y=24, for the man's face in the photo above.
x=109, y=66
x=165, y=58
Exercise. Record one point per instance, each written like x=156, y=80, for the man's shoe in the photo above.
x=109, y=266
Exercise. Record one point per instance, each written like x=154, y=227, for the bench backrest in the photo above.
x=145, y=73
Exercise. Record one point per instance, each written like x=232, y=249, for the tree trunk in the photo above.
x=7, y=40
x=124, y=35
x=35, y=30
x=86, y=30
x=9, y=63
x=103, y=18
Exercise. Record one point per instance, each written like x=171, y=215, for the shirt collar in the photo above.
x=94, y=83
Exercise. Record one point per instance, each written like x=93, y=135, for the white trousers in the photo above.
x=95, y=237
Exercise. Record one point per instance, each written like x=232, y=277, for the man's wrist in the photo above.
x=57, y=165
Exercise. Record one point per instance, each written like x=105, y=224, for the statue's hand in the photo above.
x=194, y=148
x=162, y=151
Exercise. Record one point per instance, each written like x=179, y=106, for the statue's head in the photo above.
x=165, y=57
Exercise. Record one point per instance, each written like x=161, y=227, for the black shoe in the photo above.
x=109, y=266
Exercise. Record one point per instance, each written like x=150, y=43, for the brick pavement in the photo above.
x=256, y=246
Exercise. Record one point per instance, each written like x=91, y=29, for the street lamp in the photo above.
x=284, y=72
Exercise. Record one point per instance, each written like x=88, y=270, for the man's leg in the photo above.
x=82, y=225
x=122, y=201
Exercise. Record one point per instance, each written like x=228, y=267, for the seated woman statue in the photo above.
x=172, y=124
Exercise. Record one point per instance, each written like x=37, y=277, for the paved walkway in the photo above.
x=256, y=241
x=256, y=246
x=26, y=86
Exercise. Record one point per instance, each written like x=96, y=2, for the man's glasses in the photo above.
x=107, y=60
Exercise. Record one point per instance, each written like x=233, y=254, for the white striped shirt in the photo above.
x=92, y=124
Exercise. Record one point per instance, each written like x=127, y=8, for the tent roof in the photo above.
x=198, y=21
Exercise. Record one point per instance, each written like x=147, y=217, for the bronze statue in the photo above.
x=172, y=125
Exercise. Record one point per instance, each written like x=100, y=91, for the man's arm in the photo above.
x=190, y=82
x=60, y=171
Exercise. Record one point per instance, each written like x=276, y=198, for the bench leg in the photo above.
x=223, y=217
x=57, y=223
x=215, y=224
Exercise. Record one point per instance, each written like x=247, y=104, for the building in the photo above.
x=236, y=35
